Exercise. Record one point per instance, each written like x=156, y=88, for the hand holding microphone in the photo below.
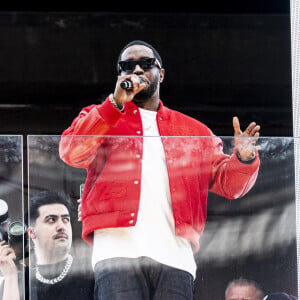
x=126, y=88
x=128, y=84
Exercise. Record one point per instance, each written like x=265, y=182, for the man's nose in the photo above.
x=60, y=226
x=138, y=70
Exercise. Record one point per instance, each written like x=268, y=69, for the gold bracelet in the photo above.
x=114, y=103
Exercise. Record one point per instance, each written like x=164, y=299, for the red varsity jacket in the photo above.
x=109, y=145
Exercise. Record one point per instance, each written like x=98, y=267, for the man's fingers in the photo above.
x=139, y=86
x=3, y=248
x=6, y=251
x=256, y=130
x=136, y=81
x=251, y=130
x=236, y=126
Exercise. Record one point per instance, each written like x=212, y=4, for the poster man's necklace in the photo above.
x=60, y=277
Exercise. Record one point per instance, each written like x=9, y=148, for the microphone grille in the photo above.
x=126, y=84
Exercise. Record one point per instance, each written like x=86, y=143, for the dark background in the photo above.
x=222, y=58
x=218, y=6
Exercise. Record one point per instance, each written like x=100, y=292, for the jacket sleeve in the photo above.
x=80, y=142
x=230, y=177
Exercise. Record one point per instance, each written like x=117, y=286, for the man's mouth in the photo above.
x=61, y=236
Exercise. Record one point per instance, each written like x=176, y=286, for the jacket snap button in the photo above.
x=131, y=221
x=136, y=182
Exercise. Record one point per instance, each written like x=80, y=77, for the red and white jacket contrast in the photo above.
x=109, y=145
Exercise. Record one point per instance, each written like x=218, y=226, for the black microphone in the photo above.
x=126, y=85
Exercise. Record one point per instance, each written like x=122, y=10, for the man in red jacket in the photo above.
x=149, y=170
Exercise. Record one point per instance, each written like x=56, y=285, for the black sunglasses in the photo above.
x=145, y=63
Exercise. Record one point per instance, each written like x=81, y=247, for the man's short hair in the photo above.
x=139, y=42
x=46, y=198
x=245, y=282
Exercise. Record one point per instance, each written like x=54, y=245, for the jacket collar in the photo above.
x=162, y=112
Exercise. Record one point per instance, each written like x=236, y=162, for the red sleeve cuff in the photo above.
x=109, y=113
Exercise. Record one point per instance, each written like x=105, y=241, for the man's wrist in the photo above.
x=114, y=103
x=248, y=160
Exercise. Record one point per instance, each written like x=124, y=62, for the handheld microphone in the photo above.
x=126, y=85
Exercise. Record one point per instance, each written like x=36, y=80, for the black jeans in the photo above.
x=141, y=279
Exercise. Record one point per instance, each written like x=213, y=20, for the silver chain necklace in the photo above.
x=60, y=277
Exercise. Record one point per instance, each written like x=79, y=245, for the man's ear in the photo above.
x=161, y=75
x=31, y=233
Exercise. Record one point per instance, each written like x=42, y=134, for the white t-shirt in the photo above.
x=154, y=233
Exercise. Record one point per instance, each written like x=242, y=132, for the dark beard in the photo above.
x=146, y=93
